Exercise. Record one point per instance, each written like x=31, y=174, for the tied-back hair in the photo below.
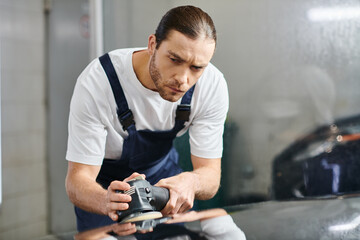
x=188, y=20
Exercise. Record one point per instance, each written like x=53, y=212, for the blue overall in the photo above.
x=148, y=152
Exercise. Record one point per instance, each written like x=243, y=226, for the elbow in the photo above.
x=68, y=188
x=214, y=190
x=208, y=195
x=215, y=185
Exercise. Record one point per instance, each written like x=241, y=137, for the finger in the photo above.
x=177, y=204
x=162, y=183
x=123, y=226
x=183, y=204
x=186, y=205
x=175, y=209
x=113, y=215
x=146, y=230
x=134, y=175
x=184, y=208
x=171, y=204
x=114, y=206
x=120, y=197
x=118, y=185
x=124, y=229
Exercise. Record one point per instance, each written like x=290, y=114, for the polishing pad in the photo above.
x=142, y=216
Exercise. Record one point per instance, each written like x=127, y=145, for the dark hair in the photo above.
x=188, y=20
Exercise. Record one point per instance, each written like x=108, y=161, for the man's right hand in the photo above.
x=85, y=193
x=116, y=200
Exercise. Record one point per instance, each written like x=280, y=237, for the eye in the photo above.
x=196, y=68
x=175, y=60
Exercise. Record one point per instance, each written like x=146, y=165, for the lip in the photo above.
x=176, y=90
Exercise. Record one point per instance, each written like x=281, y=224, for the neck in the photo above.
x=140, y=62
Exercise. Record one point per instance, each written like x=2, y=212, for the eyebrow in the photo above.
x=176, y=55
x=182, y=60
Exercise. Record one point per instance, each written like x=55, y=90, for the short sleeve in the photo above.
x=87, y=134
x=207, y=128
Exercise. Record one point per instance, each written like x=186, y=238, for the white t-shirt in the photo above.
x=95, y=132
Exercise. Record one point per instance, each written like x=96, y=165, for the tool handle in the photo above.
x=161, y=197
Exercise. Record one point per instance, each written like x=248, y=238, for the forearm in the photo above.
x=206, y=180
x=85, y=193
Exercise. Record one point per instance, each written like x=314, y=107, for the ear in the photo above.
x=151, y=44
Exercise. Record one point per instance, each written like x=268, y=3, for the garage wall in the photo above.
x=23, y=213
x=68, y=54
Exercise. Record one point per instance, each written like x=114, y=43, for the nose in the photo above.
x=182, y=76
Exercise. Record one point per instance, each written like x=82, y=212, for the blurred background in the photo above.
x=291, y=65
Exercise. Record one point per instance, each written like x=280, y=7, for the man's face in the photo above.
x=178, y=63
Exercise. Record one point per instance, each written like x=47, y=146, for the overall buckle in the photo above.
x=183, y=112
x=126, y=119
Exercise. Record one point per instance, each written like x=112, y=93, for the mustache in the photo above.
x=177, y=85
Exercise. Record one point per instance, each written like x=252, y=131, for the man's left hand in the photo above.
x=182, y=192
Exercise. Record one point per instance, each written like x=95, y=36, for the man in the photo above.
x=130, y=104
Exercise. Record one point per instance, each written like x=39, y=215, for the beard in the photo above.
x=154, y=71
x=159, y=82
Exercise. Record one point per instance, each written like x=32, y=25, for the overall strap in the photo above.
x=124, y=113
x=184, y=108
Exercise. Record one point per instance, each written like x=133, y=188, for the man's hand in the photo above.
x=202, y=183
x=182, y=192
x=85, y=193
x=118, y=201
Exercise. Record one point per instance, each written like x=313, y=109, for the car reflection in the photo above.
x=324, y=163
x=213, y=224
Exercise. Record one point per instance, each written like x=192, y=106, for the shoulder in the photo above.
x=119, y=56
x=211, y=68
x=212, y=78
x=94, y=72
x=212, y=82
x=211, y=96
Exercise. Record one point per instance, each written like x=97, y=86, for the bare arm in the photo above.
x=80, y=185
x=201, y=183
x=86, y=193
x=208, y=173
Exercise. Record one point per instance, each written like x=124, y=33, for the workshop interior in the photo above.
x=292, y=133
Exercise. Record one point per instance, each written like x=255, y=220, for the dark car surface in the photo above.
x=315, y=189
x=315, y=195
x=318, y=219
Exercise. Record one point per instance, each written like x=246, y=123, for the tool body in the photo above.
x=147, y=201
